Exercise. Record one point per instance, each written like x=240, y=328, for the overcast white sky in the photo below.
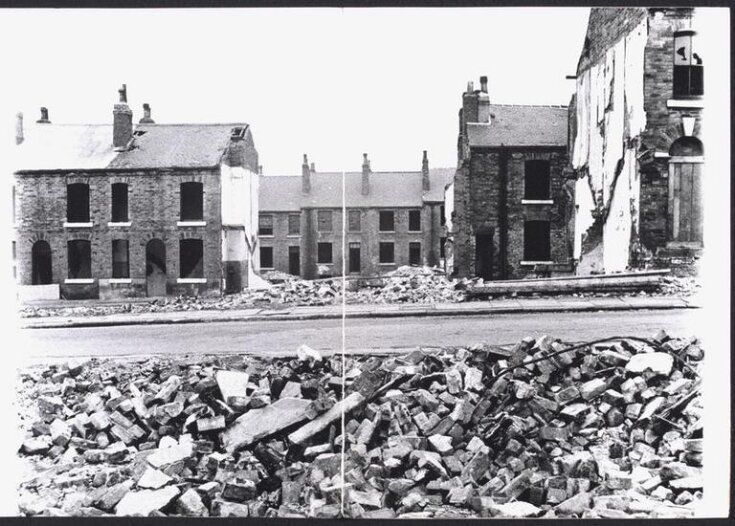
x=332, y=83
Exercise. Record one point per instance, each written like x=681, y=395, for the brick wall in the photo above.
x=478, y=208
x=153, y=208
x=281, y=240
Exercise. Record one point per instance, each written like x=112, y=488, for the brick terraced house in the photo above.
x=508, y=207
x=393, y=219
x=636, y=121
x=117, y=210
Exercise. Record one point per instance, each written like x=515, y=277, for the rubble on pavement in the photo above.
x=405, y=285
x=611, y=430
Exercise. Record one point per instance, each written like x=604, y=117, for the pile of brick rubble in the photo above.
x=610, y=429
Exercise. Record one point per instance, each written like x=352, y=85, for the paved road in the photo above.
x=280, y=337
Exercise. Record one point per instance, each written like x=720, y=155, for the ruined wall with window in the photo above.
x=97, y=239
x=637, y=93
x=279, y=235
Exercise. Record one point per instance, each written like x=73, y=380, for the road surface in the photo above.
x=283, y=337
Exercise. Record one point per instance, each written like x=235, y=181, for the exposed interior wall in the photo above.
x=449, y=228
x=239, y=195
x=610, y=116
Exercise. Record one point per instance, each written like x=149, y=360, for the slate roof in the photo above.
x=89, y=147
x=387, y=189
x=516, y=125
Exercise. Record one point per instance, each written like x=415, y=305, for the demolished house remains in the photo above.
x=539, y=429
x=120, y=210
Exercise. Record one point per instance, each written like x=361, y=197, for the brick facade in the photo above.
x=489, y=202
x=154, y=210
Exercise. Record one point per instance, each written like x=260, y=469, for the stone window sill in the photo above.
x=191, y=280
x=685, y=103
x=267, y=268
x=119, y=224
x=528, y=263
x=78, y=225
x=537, y=201
x=79, y=281
x=387, y=263
x=324, y=263
x=265, y=236
x=123, y=281
x=191, y=223
x=386, y=231
x=294, y=235
x=414, y=231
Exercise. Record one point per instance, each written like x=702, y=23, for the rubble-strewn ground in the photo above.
x=608, y=429
x=414, y=285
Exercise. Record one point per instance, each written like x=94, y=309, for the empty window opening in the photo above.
x=324, y=253
x=192, y=201
x=353, y=221
x=386, y=222
x=266, y=257
x=265, y=225
x=41, y=263
x=536, y=241
x=414, y=253
x=324, y=220
x=79, y=253
x=294, y=261
x=120, y=258
x=294, y=224
x=537, y=180
x=354, y=256
x=119, y=202
x=688, y=66
x=414, y=220
x=77, y=203
x=386, y=252
x=191, y=258
x=442, y=247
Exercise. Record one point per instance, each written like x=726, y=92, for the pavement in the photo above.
x=473, y=308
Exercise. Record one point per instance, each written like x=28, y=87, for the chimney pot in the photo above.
x=19, y=128
x=44, y=116
x=147, y=115
x=483, y=84
x=313, y=168
x=123, y=93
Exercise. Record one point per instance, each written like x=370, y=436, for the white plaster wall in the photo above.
x=239, y=187
x=609, y=100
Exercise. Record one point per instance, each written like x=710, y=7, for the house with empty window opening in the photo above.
x=636, y=150
x=392, y=219
x=509, y=205
x=124, y=209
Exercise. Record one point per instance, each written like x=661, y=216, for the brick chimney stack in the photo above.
x=19, y=128
x=425, y=182
x=313, y=168
x=483, y=102
x=122, y=129
x=305, y=176
x=365, y=174
x=44, y=117
x=147, y=115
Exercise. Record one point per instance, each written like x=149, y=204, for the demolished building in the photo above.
x=119, y=210
x=636, y=121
